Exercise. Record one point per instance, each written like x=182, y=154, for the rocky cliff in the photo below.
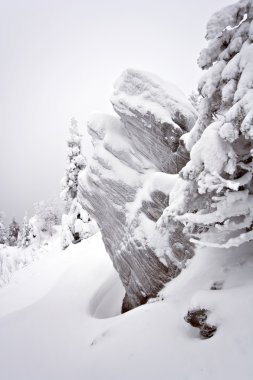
x=126, y=185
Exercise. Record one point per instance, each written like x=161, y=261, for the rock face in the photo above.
x=126, y=185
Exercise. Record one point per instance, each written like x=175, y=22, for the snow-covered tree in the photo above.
x=75, y=226
x=13, y=232
x=67, y=234
x=47, y=215
x=214, y=198
x=3, y=235
x=24, y=238
x=75, y=163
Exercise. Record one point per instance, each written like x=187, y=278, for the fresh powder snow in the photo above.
x=60, y=319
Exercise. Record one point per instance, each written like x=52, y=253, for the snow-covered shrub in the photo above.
x=47, y=215
x=77, y=224
x=67, y=234
x=13, y=259
x=215, y=194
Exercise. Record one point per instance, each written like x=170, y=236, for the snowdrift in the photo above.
x=60, y=319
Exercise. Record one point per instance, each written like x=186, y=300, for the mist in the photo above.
x=60, y=59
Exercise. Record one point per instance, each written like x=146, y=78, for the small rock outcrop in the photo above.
x=126, y=185
x=198, y=318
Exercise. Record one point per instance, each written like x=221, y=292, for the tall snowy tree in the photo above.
x=214, y=198
x=13, y=232
x=75, y=163
x=74, y=220
x=3, y=235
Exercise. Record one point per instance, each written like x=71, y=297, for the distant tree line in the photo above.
x=47, y=214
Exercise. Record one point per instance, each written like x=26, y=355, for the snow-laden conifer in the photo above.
x=75, y=220
x=75, y=163
x=215, y=194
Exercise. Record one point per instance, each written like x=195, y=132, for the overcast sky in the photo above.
x=60, y=59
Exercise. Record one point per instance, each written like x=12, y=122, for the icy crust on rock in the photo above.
x=146, y=93
x=126, y=187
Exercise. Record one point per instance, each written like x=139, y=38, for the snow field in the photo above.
x=60, y=319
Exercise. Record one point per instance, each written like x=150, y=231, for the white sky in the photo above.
x=60, y=59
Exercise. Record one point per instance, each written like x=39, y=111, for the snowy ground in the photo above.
x=14, y=258
x=60, y=320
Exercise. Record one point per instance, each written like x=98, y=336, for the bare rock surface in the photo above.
x=126, y=185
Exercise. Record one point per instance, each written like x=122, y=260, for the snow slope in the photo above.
x=59, y=320
x=13, y=258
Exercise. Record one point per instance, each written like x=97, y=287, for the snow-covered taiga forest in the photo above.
x=140, y=266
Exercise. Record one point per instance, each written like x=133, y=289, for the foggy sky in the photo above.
x=60, y=59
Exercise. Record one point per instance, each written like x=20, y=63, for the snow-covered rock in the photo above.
x=126, y=185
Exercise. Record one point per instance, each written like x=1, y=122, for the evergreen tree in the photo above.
x=214, y=199
x=73, y=222
x=13, y=232
x=75, y=164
